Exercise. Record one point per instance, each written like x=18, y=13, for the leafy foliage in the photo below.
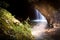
x=13, y=27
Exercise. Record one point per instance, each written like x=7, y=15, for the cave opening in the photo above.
x=40, y=26
x=39, y=17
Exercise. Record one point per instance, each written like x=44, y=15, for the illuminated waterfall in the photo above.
x=39, y=17
x=39, y=28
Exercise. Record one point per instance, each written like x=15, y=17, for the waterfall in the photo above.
x=39, y=17
x=37, y=13
x=39, y=28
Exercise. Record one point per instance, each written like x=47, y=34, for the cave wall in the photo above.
x=50, y=9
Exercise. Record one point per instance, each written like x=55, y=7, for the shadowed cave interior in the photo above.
x=24, y=8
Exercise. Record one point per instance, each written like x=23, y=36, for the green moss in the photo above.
x=13, y=27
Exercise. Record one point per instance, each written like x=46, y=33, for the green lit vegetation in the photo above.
x=12, y=27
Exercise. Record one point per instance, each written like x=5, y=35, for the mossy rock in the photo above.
x=13, y=29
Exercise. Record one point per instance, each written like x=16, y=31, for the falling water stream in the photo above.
x=39, y=27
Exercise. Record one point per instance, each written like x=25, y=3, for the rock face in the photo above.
x=49, y=9
x=52, y=15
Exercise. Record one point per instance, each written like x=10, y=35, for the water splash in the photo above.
x=39, y=28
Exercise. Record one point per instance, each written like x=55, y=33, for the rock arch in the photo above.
x=47, y=10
